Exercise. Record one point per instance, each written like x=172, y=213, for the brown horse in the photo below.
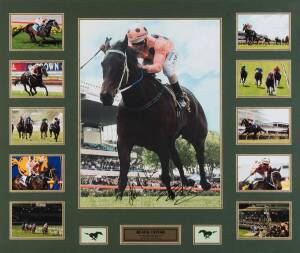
x=147, y=116
x=44, y=32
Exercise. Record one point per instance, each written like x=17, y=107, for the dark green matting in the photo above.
x=74, y=9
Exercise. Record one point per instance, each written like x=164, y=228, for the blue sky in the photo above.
x=197, y=43
x=266, y=24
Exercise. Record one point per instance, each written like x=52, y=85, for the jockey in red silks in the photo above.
x=34, y=70
x=276, y=69
x=262, y=168
x=158, y=54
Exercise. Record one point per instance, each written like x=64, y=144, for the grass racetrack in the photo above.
x=152, y=202
x=22, y=41
x=266, y=141
x=53, y=231
x=249, y=89
x=245, y=233
x=36, y=139
x=24, y=94
x=263, y=47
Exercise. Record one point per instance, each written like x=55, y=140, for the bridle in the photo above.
x=124, y=72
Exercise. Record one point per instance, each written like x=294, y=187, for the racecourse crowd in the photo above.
x=105, y=164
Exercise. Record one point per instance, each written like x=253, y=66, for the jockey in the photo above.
x=158, y=54
x=276, y=69
x=259, y=70
x=27, y=170
x=39, y=22
x=34, y=70
x=262, y=168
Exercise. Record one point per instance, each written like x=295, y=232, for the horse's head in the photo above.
x=276, y=179
x=43, y=70
x=115, y=71
x=53, y=22
x=244, y=122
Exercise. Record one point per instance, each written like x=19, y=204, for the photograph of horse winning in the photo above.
x=263, y=31
x=263, y=125
x=36, y=31
x=36, y=126
x=36, y=220
x=44, y=173
x=145, y=144
x=36, y=79
x=264, y=173
x=263, y=220
x=263, y=78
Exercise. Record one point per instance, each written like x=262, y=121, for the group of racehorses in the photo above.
x=272, y=80
x=25, y=128
x=252, y=37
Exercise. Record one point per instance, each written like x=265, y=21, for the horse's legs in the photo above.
x=165, y=176
x=176, y=159
x=26, y=90
x=199, y=148
x=45, y=89
x=124, y=150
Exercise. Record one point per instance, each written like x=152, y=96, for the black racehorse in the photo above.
x=277, y=76
x=44, y=129
x=44, y=32
x=277, y=41
x=28, y=127
x=272, y=182
x=251, y=35
x=258, y=76
x=251, y=128
x=243, y=75
x=55, y=129
x=33, y=81
x=270, y=83
x=147, y=116
x=21, y=128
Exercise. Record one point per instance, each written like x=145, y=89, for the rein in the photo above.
x=126, y=71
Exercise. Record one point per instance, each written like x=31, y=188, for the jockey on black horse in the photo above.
x=158, y=54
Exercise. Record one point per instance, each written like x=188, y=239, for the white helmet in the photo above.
x=265, y=160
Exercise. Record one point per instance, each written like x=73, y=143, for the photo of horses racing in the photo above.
x=263, y=31
x=37, y=220
x=150, y=132
x=36, y=79
x=263, y=173
x=263, y=125
x=264, y=220
x=36, y=31
x=36, y=126
x=37, y=172
x=263, y=78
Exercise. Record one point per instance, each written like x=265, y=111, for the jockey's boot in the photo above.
x=179, y=95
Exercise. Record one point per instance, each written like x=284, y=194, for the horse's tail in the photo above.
x=17, y=31
x=16, y=81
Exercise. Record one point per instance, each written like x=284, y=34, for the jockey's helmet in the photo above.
x=137, y=34
x=266, y=161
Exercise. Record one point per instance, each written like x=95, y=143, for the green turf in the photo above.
x=53, y=231
x=249, y=89
x=39, y=94
x=151, y=202
x=244, y=233
x=271, y=141
x=263, y=47
x=36, y=139
x=22, y=41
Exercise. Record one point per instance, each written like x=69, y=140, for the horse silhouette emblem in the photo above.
x=94, y=236
x=207, y=234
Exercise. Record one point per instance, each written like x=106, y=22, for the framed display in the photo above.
x=149, y=126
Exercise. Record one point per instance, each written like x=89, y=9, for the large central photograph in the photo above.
x=150, y=113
